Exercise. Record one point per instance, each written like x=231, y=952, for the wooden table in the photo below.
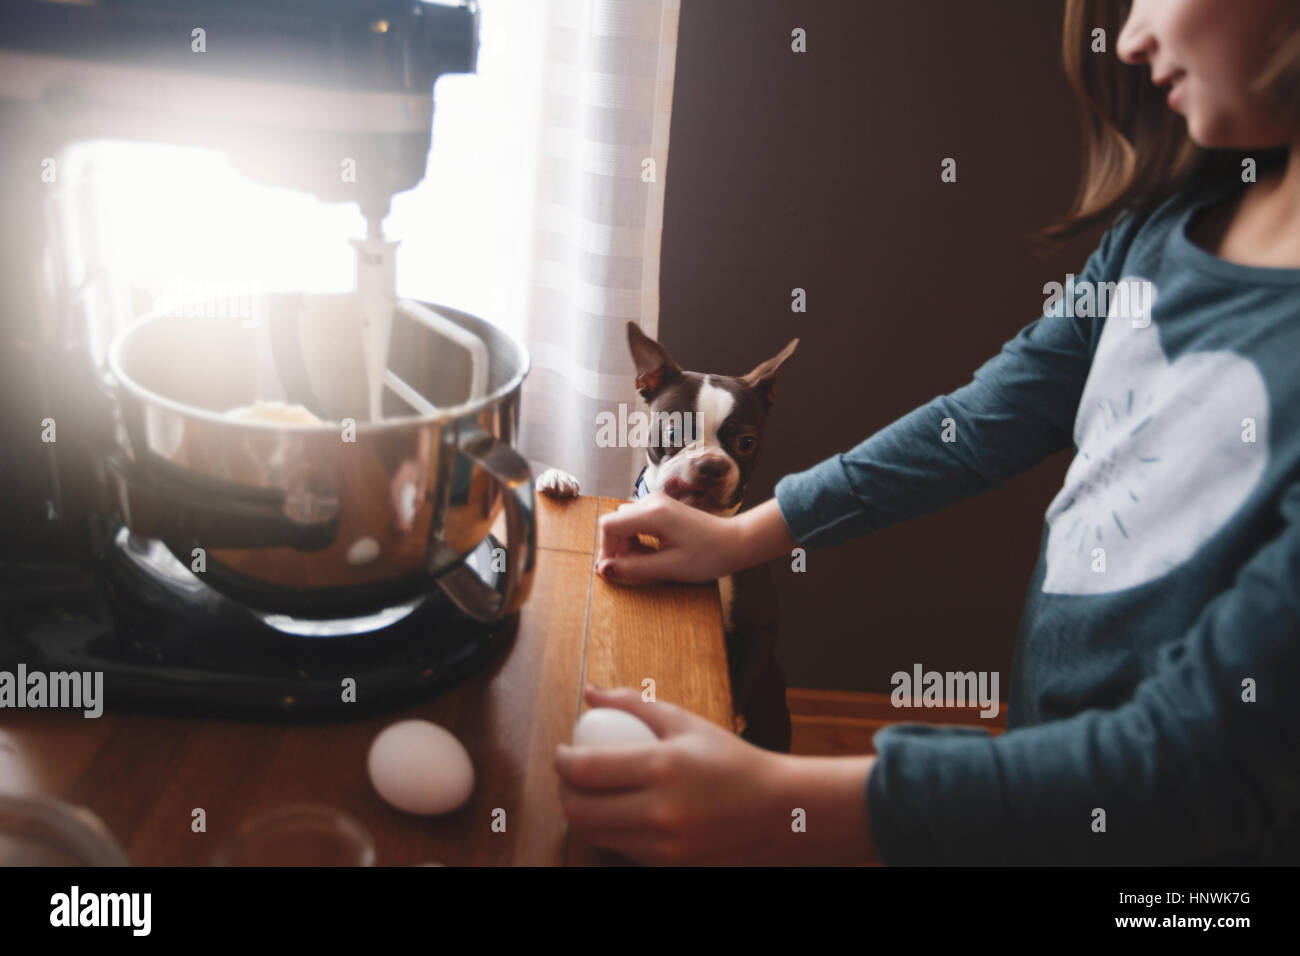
x=144, y=775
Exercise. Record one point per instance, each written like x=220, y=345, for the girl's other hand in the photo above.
x=692, y=797
x=701, y=795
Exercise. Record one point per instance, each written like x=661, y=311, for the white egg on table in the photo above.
x=421, y=768
x=611, y=727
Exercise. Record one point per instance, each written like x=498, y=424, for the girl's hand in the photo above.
x=694, y=545
x=701, y=795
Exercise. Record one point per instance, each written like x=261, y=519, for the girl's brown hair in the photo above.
x=1136, y=149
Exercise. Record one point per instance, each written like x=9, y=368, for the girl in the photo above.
x=1152, y=718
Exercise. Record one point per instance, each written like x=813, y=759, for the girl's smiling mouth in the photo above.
x=1175, y=94
x=1175, y=83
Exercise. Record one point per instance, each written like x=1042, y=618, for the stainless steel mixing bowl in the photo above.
x=336, y=518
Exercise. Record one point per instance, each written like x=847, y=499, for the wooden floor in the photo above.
x=838, y=723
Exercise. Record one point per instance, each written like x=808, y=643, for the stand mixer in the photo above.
x=315, y=559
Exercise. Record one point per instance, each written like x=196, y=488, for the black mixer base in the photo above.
x=177, y=646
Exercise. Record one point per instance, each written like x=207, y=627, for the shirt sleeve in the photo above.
x=1199, y=766
x=1019, y=408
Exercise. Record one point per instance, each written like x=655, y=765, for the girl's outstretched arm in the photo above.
x=1019, y=408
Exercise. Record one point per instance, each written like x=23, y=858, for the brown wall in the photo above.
x=821, y=170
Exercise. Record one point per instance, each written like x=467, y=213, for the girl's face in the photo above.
x=1209, y=54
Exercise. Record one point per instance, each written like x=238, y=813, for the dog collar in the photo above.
x=641, y=489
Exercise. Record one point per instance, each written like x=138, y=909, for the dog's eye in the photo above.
x=745, y=444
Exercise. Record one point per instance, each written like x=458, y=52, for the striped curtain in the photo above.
x=605, y=96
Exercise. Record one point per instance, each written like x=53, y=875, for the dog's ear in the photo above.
x=655, y=368
x=763, y=378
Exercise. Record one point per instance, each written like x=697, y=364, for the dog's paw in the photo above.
x=557, y=484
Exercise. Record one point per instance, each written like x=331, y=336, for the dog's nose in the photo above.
x=711, y=467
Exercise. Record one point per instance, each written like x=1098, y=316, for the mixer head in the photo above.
x=289, y=89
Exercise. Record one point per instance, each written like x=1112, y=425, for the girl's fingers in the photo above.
x=606, y=768
x=603, y=810
x=632, y=546
x=644, y=516
x=658, y=565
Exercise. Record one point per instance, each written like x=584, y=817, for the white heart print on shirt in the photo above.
x=1162, y=465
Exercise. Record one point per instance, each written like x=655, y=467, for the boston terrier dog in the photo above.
x=704, y=438
x=705, y=431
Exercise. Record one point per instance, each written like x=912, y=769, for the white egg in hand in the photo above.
x=421, y=768
x=611, y=727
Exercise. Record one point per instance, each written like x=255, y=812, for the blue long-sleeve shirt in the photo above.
x=1158, y=660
